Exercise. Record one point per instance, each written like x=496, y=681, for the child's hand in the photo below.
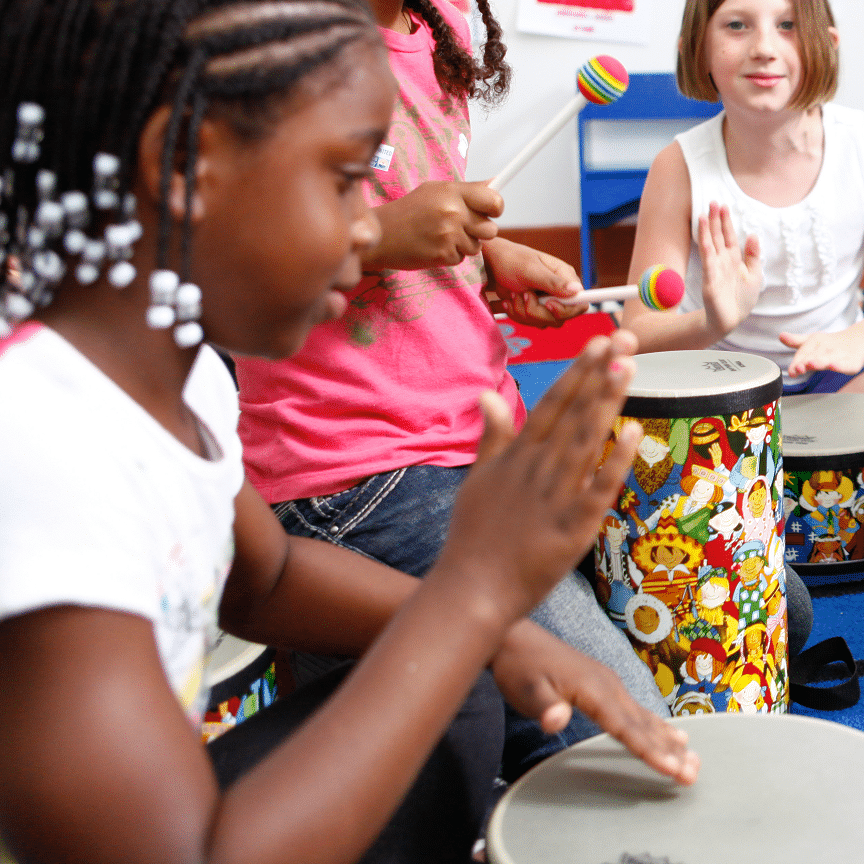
x=531, y=505
x=842, y=352
x=731, y=279
x=543, y=678
x=518, y=273
x=435, y=225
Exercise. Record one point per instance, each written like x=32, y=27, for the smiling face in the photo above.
x=282, y=220
x=753, y=54
x=827, y=497
x=652, y=449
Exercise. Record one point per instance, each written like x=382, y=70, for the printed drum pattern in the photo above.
x=823, y=449
x=690, y=562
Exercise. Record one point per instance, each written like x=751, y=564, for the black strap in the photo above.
x=813, y=665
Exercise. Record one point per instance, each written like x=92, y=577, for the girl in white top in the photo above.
x=762, y=207
x=178, y=171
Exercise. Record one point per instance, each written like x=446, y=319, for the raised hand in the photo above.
x=732, y=277
x=532, y=504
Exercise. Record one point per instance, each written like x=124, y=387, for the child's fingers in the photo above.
x=793, y=340
x=498, y=430
x=660, y=745
x=595, y=690
x=581, y=381
x=586, y=423
x=478, y=227
x=608, y=479
x=752, y=253
x=730, y=238
x=481, y=199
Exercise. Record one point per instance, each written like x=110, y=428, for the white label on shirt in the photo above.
x=463, y=145
x=383, y=157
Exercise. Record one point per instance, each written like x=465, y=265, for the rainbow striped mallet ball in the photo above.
x=660, y=288
x=602, y=80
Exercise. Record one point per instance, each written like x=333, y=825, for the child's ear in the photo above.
x=150, y=149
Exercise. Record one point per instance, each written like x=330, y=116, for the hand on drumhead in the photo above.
x=544, y=678
x=732, y=277
x=842, y=352
x=532, y=504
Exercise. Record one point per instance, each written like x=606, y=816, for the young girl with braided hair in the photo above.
x=179, y=170
x=364, y=437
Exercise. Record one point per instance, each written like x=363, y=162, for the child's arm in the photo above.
x=842, y=351
x=518, y=274
x=435, y=225
x=98, y=764
x=354, y=599
x=732, y=277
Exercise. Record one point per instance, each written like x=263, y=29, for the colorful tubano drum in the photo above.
x=823, y=458
x=690, y=562
x=242, y=681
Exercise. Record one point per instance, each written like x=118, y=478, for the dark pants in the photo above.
x=444, y=811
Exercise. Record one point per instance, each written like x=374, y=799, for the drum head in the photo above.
x=695, y=383
x=772, y=788
x=823, y=430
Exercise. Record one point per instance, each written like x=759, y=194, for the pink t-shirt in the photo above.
x=395, y=382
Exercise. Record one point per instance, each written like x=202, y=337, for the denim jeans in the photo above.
x=401, y=518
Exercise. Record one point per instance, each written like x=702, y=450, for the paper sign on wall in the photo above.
x=596, y=20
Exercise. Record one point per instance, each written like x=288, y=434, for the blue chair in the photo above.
x=635, y=128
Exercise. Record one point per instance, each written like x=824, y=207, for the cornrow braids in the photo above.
x=458, y=72
x=83, y=78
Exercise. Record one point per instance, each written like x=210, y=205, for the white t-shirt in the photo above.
x=812, y=251
x=102, y=506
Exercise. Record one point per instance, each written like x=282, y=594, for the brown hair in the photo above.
x=819, y=55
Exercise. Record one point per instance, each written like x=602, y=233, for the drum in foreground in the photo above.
x=776, y=788
x=242, y=681
x=823, y=458
x=689, y=562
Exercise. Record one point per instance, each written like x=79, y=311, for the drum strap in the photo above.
x=821, y=663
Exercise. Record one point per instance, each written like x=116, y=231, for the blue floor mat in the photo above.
x=838, y=611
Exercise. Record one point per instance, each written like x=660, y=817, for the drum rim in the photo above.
x=852, y=460
x=671, y=407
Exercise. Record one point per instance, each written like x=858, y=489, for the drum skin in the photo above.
x=777, y=788
x=690, y=560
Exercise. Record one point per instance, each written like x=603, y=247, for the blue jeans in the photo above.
x=401, y=518
x=824, y=381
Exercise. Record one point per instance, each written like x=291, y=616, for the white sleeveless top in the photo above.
x=812, y=252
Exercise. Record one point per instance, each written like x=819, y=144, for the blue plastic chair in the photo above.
x=610, y=194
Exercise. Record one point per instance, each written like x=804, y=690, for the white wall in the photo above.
x=546, y=191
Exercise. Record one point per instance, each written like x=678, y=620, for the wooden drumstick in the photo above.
x=601, y=80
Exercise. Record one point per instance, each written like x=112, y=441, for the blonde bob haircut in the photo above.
x=819, y=54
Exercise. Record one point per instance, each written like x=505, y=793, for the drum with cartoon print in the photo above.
x=768, y=791
x=241, y=678
x=690, y=562
x=823, y=461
